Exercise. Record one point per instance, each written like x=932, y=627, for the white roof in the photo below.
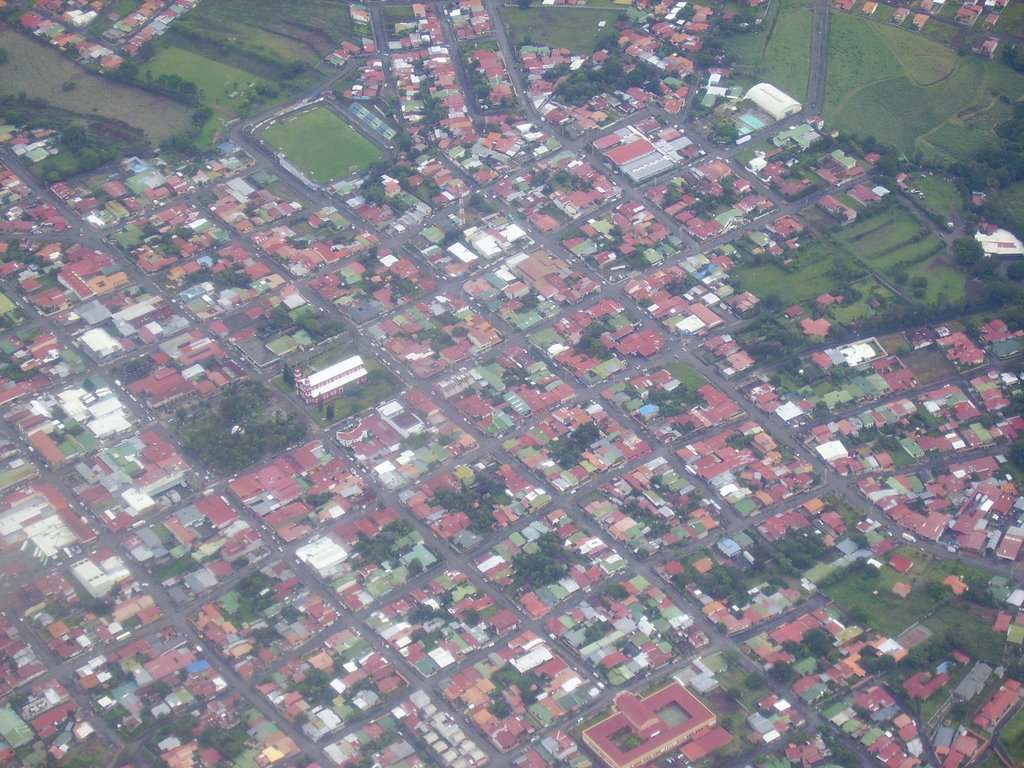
x=347, y=366
x=100, y=342
x=1000, y=243
x=789, y=411
x=773, y=101
x=833, y=449
x=462, y=253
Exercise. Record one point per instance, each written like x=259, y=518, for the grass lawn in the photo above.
x=394, y=14
x=941, y=197
x=886, y=612
x=928, y=365
x=262, y=41
x=379, y=386
x=40, y=70
x=892, y=615
x=321, y=144
x=870, y=289
x=943, y=280
x=911, y=92
x=222, y=85
x=888, y=242
x=1009, y=202
x=562, y=27
x=787, y=54
x=733, y=681
x=318, y=24
x=1011, y=19
x=1012, y=737
x=974, y=635
x=879, y=235
x=690, y=377
x=782, y=54
x=811, y=278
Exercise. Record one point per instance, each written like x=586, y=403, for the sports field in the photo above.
x=911, y=92
x=321, y=144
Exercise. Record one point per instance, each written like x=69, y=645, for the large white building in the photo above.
x=320, y=386
x=100, y=573
x=770, y=99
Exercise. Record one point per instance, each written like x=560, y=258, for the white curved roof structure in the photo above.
x=773, y=101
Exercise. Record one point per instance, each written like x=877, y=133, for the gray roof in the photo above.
x=971, y=685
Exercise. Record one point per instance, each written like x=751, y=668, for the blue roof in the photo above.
x=729, y=547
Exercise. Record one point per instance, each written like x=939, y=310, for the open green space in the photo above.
x=1012, y=737
x=873, y=598
x=244, y=54
x=283, y=28
x=577, y=29
x=689, y=377
x=1008, y=203
x=323, y=145
x=1011, y=19
x=913, y=93
x=866, y=593
x=871, y=291
x=240, y=428
x=221, y=84
x=940, y=197
x=892, y=243
x=227, y=89
x=40, y=71
x=973, y=633
x=781, y=54
x=396, y=14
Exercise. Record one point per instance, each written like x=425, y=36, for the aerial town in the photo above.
x=511, y=383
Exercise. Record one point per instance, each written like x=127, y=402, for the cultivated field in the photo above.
x=1009, y=202
x=891, y=243
x=321, y=144
x=560, y=27
x=781, y=55
x=913, y=93
x=40, y=71
x=281, y=27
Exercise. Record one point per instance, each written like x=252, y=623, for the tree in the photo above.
x=1017, y=452
x=201, y=115
x=329, y=412
x=229, y=742
x=818, y=642
x=967, y=251
x=75, y=137
x=754, y=681
x=3, y=56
